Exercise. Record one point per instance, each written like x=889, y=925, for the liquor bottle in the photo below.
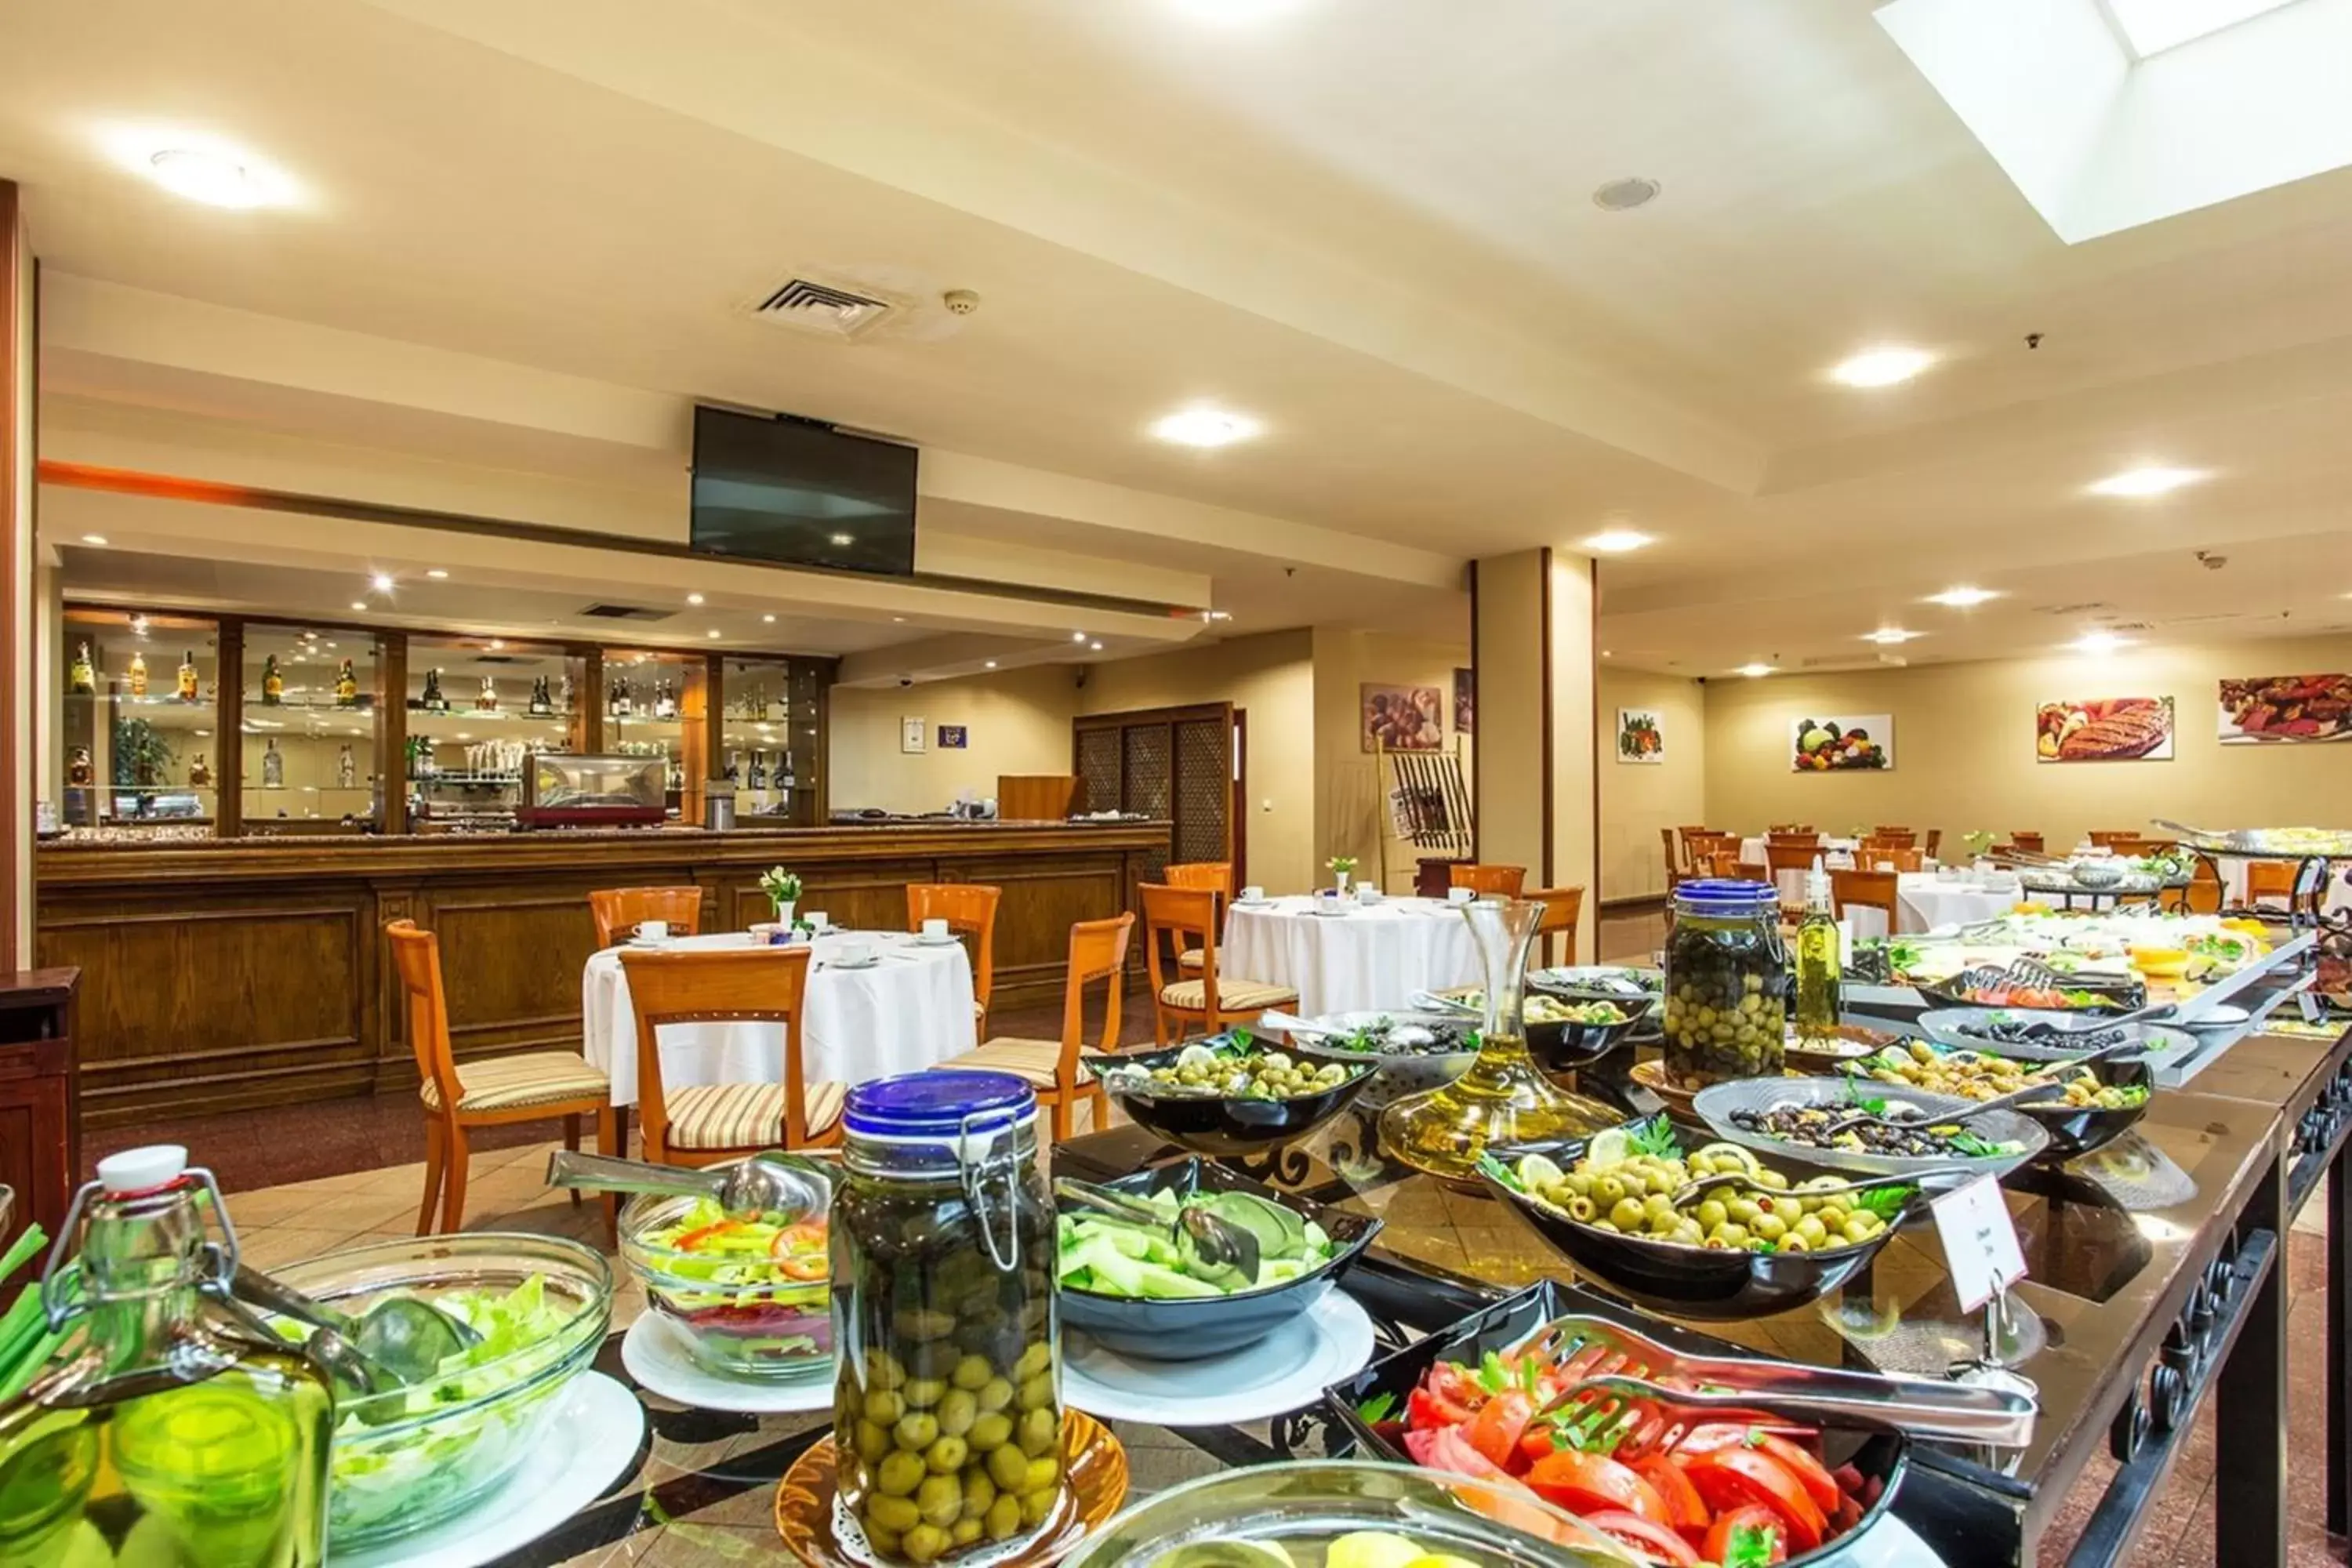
x=563, y=696
x=82, y=678
x=347, y=687
x=200, y=773
x=1818, y=998
x=138, y=673
x=620, y=698
x=81, y=772
x=346, y=769
x=676, y=782
x=434, y=701
x=734, y=767
x=273, y=685
x=171, y=1427
x=188, y=676
x=759, y=779
x=273, y=765
x=540, y=707
x=488, y=702
x=785, y=771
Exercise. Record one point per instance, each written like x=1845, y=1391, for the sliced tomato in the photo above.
x=1729, y=1533
x=1808, y=1471
x=1595, y=1483
x=802, y=1237
x=1428, y=1412
x=697, y=1236
x=1734, y=1477
x=1447, y=1449
x=1686, y=1509
x=1652, y=1542
x=1496, y=1430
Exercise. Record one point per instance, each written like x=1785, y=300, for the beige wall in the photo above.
x=1017, y=722
x=1637, y=799
x=1964, y=748
x=1272, y=678
x=1351, y=816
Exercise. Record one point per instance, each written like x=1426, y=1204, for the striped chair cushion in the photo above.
x=744, y=1115
x=1233, y=996
x=511, y=1083
x=1035, y=1060
x=1191, y=960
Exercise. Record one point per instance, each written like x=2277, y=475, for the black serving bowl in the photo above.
x=1565, y=1047
x=1216, y=1124
x=2079, y=1129
x=1719, y=1285
x=1190, y=1329
x=1370, y=1405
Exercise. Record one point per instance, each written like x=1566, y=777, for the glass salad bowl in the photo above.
x=746, y=1297
x=408, y=1458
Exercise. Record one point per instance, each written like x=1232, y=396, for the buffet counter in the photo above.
x=218, y=976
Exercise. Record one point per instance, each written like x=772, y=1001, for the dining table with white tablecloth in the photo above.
x=909, y=1009
x=1927, y=899
x=1360, y=957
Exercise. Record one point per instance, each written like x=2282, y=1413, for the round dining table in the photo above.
x=1366, y=957
x=911, y=1009
x=1927, y=899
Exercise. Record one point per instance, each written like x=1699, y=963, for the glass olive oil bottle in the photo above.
x=172, y=1433
x=1818, y=998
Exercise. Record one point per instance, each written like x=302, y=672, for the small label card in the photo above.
x=1980, y=1242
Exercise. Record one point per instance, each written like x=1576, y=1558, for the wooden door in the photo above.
x=1172, y=765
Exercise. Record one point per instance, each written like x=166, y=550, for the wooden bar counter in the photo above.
x=251, y=971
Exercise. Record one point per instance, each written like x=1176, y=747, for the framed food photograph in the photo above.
x=1842, y=743
x=1641, y=735
x=2272, y=708
x=2104, y=730
x=1465, y=702
x=1403, y=718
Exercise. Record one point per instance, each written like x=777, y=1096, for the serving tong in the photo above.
x=1720, y=1387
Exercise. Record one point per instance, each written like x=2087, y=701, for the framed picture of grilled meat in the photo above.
x=2104, y=730
x=2276, y=707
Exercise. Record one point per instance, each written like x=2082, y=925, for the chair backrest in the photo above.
x=1935, y=844
x=1217, y=875
x=2131, y=846
x=1676, y=858
x=970, y=910
x=1877, y=856
x=1097, y=952
x=2266, y=879
x=1703, y=844
x=1562, y=907
x=620, y=911
x=1693, y=831
x=1187, y=917
x=2029, y=842
x=1790, y=857
x=1788, y=827
x=1805, y=839
x=723, y=985
x=1487, y=879
x=1889, y=830
x=1716, y=863
x=1890, y=838
x=1871, y=890
x=2103, y=837
x=1748, y=870
x=417, y=958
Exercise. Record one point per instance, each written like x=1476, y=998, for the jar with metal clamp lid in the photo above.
x=948, y=1409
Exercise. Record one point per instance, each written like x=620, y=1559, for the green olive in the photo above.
x=918, y=1323
x=916, y=1431
x=957, y=1412
x=886, y=1541
x=996, y=1394
x=873, y=1442
x=940, y=1501
x=895, y=1514
x=885, y=1408
x=1037, y=1506
x=964, y=1532
x=947, y=1455
x=1626, y=1214
x=883, y=1370
x=1043, y=1471
x=899, y=1474
x=1037, y=1391
x=922, y=1392
x=979, y=1491
x=992, y=1430
x=1003, y=1516
x=1711, y=1214
x=1034, y=1359
x=1769, y=1227
x=972, y=1373
x=924, y=1544
x=1007, y=1467
x=1040, y=1431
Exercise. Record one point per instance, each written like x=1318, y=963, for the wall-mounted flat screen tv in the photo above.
x=803, y=493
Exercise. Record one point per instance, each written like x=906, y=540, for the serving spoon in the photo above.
x=1217, y=1244
x=403, y=1337
x=759, y=1184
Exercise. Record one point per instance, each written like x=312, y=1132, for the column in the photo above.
x=1537, y=796
x=17, y=617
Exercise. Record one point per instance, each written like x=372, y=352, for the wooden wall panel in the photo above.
x=511, y=955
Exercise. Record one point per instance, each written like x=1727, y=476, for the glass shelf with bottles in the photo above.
x=138, y=727
x=309, y=718
x=768, y=731
x=653, y=708
x=477, y=710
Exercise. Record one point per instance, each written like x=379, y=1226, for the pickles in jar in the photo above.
x=1726, y=984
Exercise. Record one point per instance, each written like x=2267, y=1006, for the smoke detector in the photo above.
x=960, y=302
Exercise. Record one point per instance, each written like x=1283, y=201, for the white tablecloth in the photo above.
x=1922, y=901
x=1835, y=853
x=1374, y=956
x=912, y=1010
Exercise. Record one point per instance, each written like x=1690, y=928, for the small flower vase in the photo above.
x=784, y=912
x=1343, y=876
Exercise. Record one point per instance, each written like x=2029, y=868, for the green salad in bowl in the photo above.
x=745, y=1294
x=408, y=1459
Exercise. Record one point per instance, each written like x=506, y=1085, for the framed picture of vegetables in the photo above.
x=1641, y=736
x=1842, y=743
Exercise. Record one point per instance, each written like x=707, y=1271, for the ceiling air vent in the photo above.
x=2084, y=608
x=808, y=306
x=622, y=612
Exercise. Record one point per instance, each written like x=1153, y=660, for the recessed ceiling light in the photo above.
x=309, y=636
x=1095, y=645
x=1233, y=10
x=1617, y=541
x=900, y=620
x=1882, y=367
x=694, y=598
x=496, y=643
x=1753, y=670
x=1077, y=636
x=212, y=178
x=992, y=664
x=1205, y=427
x=1890, y=635
x=770, y=619
x=2096, y=642
x=1604, y=653
x=93, y=539
x=2146, y=482
x=381, y=582
x=1963, y=597
x=436, y=572
x=843, y=539
x=1623, y=195
x=359, y=604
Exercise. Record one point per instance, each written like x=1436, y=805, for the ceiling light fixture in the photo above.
x=359, y=604
x=2096, y=642
x=1077, y=636
x=992, y=664
x=1095, y=645
x=381, y=582
x=1753, y=671
x=99, y=539
x=1962, y=598
x=496, y=643
x=208, y=177
x=714, y=631
x=1617, y=541
x=1205, y=427
x=1623, y=195
x=1890, y=635
x=1880, y=367
x=843, y=541
x=769, y=619
x=436, y=572
x=2142, y=482
x=694, y=598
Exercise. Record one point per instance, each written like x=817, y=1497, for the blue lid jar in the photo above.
x=1723, y=895
x=938, y=1104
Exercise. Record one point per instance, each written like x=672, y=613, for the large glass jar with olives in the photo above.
x=1727, y=982
x=947, y=1404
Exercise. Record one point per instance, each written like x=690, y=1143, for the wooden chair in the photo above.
x=970, y=910
x=1705, y=846
x=1562, y=907
x=618, y=911
x=1097, y=952
x=1873, y=858
x=1487, y=879
x=2131, y=846
x=2205, y=894
x=1217, y=875
x=1783, y=858
x=1935, y=845
x=1810, y=843
x=1748, y=870
x=1686, y=834
x=1892, y=838
x=2267, y=879
x=1891, y=830
x=1870, y=889
x=1675, y=862
x=2029, y=842
x=2101, y=837
x=1788, y=827
x=534, y=1086
x=1187, y=917
x=706, y=1124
